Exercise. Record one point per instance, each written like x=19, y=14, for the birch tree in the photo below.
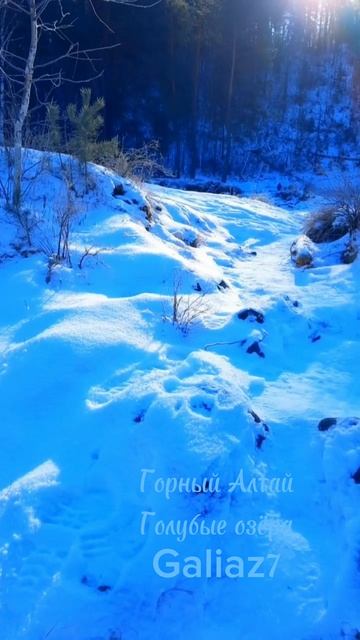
x=21, y=74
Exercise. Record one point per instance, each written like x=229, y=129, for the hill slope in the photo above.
x=97, y=385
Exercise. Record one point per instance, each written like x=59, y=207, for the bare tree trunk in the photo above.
x=193, y=143
x=24, y=104
x=227, y=124
x=2, y=83
x=2, y=110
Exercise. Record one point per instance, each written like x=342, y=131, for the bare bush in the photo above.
x=89, y=252
x=187, y=311
x=340, y=217
x=325, y=225
x=141, y=164
x=56, y=242
x=346, y=198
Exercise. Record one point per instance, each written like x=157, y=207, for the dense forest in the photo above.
x=227, y=87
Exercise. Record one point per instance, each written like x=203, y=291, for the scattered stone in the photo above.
x=140, y=417
x=254, y=415
x=252, y=314
x=197, y=287
x=222, y=285
x=326, y=423
x=345, y=423
x=104, y=588
x=255, y=348
x=356, y=476
x=294, y=303
x=118, y=190
x=352, y=422
x=148, y=212
x=303, y=252
x=260, y=439
x=350, y=253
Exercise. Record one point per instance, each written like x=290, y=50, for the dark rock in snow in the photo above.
x=303, y=251
x=254, y=415
x=104, y=588
x=260, y=439
x=294, y=303
x=255, y=348
x=222, y=285
x=352, y=422
x=356, y=476
x=252, y=314
x=326, y=423
x=148, y=213
x=118, y=190
x=315, y=338
x=349, y=254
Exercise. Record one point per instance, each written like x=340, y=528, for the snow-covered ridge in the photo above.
x=97, y=384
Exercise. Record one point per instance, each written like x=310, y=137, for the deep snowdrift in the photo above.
x=97, y=385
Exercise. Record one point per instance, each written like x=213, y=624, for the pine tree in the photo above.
x=87, y=124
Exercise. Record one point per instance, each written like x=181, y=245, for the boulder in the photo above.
x=252, y=315
x=303, y=251
x=349, y=254
x=118, y=190
x=326, y=423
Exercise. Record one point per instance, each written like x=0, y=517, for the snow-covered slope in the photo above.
x=97, y=385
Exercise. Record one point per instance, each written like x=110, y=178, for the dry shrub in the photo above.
x=341, y=216
x=325, y=225
x=140, y=164
x=187, y=311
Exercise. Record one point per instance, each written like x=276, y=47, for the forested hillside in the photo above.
x=227, y=87
x=231, y=86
